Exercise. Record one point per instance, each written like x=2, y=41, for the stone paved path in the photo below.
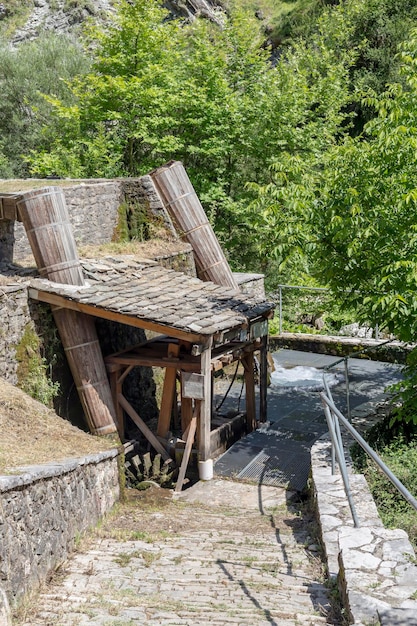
x=225, y=553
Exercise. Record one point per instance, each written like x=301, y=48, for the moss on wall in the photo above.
x=134, y=222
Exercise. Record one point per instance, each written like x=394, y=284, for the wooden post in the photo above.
x=186, y=413
x=116, y=384
x=248, y=364
x=45, y=217
x=263, y=380
x=168, y=393
x=183, y=205
x=204, y=424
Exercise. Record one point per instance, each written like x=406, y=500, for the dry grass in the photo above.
x=152, y=249
x=15, y=185
x=31, y=433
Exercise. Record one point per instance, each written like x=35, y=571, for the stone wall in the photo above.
x=93, y=211
x=392, y=352
x=375, y=567
x=94, y=208
x=14, y=316
x=44, y=509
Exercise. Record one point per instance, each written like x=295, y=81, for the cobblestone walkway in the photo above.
x=224, y=554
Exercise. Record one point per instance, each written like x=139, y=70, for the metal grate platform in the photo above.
x=287, y=472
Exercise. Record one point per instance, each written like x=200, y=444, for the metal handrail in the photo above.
x=334, y=417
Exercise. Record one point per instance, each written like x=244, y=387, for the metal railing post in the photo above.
x=338, y=446
x=347, y=387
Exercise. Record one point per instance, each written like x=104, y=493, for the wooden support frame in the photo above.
x=195, y=373
x=145, y=430
x=186, y=413
x=191, y=430
x=116, y=384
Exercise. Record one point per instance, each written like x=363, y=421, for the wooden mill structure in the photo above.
x=195, y=327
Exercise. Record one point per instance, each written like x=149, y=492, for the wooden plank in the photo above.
x=125, y=373
x=122, y=318
x=187, y=452
x=226, y=433
x=248, y=364
x=192, y=386
x=145, y=430
x=204, y=426
x=168, y=393
x=130, y=359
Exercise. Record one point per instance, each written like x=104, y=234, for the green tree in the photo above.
x=375, y=28
x=208, y=96
x=364, y=217
x=41, y=66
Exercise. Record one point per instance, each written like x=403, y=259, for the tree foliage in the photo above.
x=160, y=89
x=364, y=215
x=374, y=28
x=35, y=68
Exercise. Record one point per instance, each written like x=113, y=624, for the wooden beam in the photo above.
x=183, y=363
x=248, y=364
x=187, y=452
x=168, y=392
x=204, y=426
x=125, y=373
x=145, y=430
x=8, y=207
x=114, y=316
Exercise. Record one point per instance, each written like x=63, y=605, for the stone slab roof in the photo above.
x=144, y=290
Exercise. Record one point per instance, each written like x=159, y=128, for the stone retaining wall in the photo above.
x=14, y=316
x=338, y=346
x=94, y=208
x=42, y=512
x=93, y=211
x=375, y=567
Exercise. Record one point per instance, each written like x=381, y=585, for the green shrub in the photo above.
x=32, y=370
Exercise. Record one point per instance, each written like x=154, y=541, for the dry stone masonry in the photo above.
x=375, y=567
x=42, y=511
x=14, y=316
